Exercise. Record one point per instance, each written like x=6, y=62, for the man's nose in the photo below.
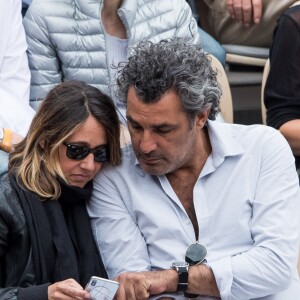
x=148, y=143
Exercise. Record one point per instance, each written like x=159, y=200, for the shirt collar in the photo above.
x=222, y=139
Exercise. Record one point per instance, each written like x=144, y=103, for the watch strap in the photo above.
x=183, y=279
x=183, y=275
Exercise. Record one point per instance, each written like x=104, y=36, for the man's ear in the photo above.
x=201, y=118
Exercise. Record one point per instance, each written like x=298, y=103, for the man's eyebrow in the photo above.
x=164, y=125
x=155, y=126
x=129, y=118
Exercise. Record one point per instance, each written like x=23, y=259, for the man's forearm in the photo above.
x=202, y=281
x=140, y=285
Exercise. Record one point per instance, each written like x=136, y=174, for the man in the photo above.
x=247, y=22
x=186, y=180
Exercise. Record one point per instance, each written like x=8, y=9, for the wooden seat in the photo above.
x=226, y=98
x=263, y=84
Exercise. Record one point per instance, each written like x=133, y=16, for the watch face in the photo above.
x=179, y=264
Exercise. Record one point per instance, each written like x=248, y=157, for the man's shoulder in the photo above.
x=244, y=130
x=249, y=137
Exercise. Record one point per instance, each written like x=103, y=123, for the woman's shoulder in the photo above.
x=5, y=186
x=10, y=208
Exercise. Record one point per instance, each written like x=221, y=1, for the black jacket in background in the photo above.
x=282, y=90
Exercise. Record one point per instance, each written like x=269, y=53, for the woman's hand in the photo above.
x=67, y=289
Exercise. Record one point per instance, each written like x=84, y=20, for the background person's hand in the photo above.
x=245, y=11
x=66, y=290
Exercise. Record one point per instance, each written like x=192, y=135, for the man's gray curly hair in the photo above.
x=171, y=64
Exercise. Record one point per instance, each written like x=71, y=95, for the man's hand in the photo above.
x=67, y=289
x=245, y=11
x=140, y=285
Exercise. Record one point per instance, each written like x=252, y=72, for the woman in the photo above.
x=47, y=250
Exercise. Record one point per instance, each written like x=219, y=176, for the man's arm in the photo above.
x=121, y=244
x=269, y=266
x=245, y=11
x=141, y=285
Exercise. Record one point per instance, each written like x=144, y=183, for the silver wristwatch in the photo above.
x=182, y=268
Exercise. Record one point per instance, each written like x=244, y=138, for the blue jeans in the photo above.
x=3, y=162
x=211, y=46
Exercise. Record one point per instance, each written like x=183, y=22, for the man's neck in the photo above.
x=184, y=178
x=199, y=153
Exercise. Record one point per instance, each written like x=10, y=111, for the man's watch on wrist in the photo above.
x=182, y=269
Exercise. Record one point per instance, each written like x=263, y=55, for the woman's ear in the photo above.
x=42, y=144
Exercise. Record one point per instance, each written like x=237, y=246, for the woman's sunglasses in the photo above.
x=101, y=154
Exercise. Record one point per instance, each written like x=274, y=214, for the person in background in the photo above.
x=208, y=43
x=15, y=112
x=247, y=22
x=282, y=89
x=25, y=5
x=47, y=249
x=187, y=180
x=83, y=40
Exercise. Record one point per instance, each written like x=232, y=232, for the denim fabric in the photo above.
x=212, y=46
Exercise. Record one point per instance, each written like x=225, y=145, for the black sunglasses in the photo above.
x=195, y=254
x=101, y=154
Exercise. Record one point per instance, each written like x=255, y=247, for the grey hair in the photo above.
x=171, y=64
